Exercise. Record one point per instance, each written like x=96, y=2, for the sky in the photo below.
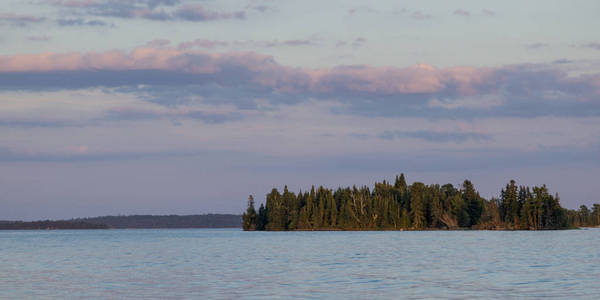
x=186, y=107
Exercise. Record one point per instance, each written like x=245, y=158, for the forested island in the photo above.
x=417, y=206
x=133, y=221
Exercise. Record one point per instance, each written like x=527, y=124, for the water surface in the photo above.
x=230, y=263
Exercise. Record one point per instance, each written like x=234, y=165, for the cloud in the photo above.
x=362, y=9
x=211, y=44
x=145, y=9
x=262, y=8
x=170, y=75
x=355, y=43
x=39, y=38
x=535, y=46
x=563, y=61
x=418, y=15
x=358, y=42
x=19, y=20
x=591, y=45
x=289, y=43
x=196, y=13
x=461, y=12
x=158, y=43
x=488, y=12
x=106, y=3
x=435, y=136
x=134, y=113
x=80, y=22
x=202, y=43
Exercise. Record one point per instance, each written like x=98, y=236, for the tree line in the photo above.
x=47, y=224
x=168, y=221
x=133, y=221
x=417, y=206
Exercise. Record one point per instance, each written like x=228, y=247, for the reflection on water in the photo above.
x=230, y=263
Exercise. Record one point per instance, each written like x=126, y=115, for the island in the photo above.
x=417, y=206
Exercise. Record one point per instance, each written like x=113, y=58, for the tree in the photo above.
x=473, y=202
x=249, y=217
x=509, y=207
x=418, y=206
x=262, y=219
x=276, y=216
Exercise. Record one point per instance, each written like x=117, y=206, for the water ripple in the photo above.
x=226, y=264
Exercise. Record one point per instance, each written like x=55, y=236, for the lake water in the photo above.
x=232, y=264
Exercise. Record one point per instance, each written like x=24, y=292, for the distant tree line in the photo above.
x=134, y=221
x=47, y=224
x=169, y=221
x=415, y=207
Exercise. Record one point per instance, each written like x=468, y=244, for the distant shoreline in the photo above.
x=130, y=222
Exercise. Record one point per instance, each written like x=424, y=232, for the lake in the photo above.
x=232, y=264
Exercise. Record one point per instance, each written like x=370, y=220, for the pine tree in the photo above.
x=473, y=202
x=249, y=217
x=418, y=206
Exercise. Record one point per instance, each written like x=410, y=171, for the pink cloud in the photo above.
x=420, y=78
x=262, y=70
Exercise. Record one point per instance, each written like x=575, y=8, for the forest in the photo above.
x=399, y=206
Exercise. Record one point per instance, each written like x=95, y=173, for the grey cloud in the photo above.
x=435, y=136
x=203, y=43
x=563, y=61
x=355, y=43
x=592, y=45
x=262, y=8
x=418, y=15
x=199, y=13
x=155, y=3
x=126, y=114
x=147, y=9
x=204, y=116
x=80, y=22
x=19, y=20
x=462, y=12
x=158, y=43
x=362, y=9
x=39, y=38
x=210, y=44
x=488, y=12
x=534, y=46
x=360, y=136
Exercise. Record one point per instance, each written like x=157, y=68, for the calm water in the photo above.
x=226, y=264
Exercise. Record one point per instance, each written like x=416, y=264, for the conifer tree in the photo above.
x=249, y=217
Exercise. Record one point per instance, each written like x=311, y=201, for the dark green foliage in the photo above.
x=249, y=217
x=417, y=206
x=262, y=218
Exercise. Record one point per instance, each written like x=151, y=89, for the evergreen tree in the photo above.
x=473, y=202
x=262, y=219
x=418, y=206
x=249, y=217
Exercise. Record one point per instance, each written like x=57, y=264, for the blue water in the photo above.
x=231, y=264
